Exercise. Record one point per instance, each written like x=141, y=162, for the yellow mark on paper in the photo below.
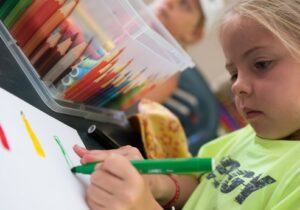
x=34, y=139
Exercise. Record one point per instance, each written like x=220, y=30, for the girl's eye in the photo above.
x=262, y=65
x=233, y=77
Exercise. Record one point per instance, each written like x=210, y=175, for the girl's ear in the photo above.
x=193, y=37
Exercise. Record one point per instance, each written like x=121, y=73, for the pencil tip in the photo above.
x=73, y=170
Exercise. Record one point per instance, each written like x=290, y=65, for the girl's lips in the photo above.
x=249, y=113
x=252, y=114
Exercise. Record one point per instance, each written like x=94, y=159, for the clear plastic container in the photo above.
x=98, y=59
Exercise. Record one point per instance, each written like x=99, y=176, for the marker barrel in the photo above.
x=106, y=141
x=161, y=166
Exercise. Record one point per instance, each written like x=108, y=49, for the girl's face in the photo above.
x=180, y=17
x=265, y=78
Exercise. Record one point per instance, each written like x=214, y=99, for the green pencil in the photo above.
x=16, y=12
x=6, y=8
x=160, y=166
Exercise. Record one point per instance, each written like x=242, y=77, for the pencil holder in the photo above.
x=93, y=59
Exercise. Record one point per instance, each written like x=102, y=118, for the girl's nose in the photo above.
x=241, y=86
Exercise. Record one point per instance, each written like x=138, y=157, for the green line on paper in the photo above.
x=67, y=158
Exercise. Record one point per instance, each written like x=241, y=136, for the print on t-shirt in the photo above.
x=228, y=176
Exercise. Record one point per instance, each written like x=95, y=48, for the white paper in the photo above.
x=27, y=180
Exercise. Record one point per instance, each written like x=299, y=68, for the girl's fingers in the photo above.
x=80, y=151
x=88, y=156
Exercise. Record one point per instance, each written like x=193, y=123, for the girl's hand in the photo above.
x=117, y=185
x=88, y=156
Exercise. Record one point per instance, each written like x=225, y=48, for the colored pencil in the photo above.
x=105, y=71
x=112, y=86
x=48, y=60
x=59, y=69
x=129, y=91
x=112, y=94
x=94, y=89
x=97, y=87
x=113, y=80
x=16, y=12
x=108, y=88
x=116, y=88
x=123, y=98
x=21, y=23
x=38, y=148
x=144, y=88
x=46, y=47
x=91, y=75
x=42, y=33
x=36, y=16
x=3, y=139
x=7, y=7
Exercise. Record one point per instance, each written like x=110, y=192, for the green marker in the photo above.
x=160, y=166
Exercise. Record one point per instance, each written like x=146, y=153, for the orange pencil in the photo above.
x=91, y=75
x=42, y=33
x=51, y=42
x=48, y=60
x=35, y=17
x=59, y=69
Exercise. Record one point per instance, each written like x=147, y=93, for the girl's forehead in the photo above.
x=241, y=34
x=243, y=29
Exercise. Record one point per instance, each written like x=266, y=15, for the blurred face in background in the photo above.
x=182, y=18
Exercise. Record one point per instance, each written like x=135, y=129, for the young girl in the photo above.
x=258, y=167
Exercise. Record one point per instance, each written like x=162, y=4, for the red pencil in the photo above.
x=94, y=88
x=90, y=79
x=91, y=75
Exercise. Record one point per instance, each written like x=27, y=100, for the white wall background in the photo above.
x=208, y=56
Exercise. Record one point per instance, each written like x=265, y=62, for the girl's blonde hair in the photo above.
x=281, y=17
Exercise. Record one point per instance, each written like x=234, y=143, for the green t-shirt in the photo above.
x=251, y=174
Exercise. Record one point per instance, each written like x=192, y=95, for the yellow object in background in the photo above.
x=161, y=131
